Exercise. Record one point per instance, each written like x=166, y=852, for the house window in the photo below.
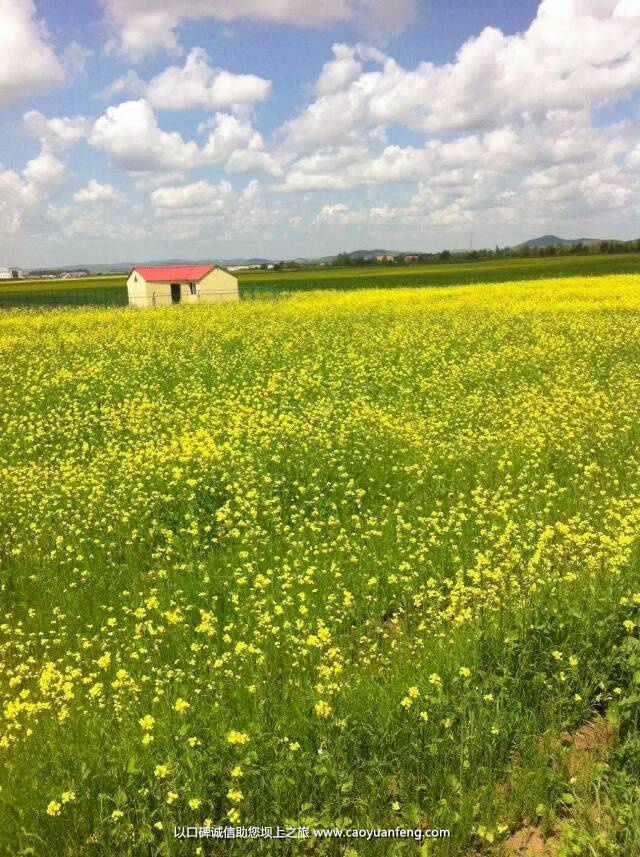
x=192, y=288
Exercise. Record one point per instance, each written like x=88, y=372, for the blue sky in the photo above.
x=146, y=129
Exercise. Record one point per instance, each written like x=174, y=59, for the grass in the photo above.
x=107, y=281
x=501, y=270
x=82, y=291
x=355, y=559
x=111, y=290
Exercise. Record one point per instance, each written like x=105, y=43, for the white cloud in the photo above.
x=133, y=141
x=253, y=160
x=453, y=214
x=56, y=132
x=573, y=190
x=198, y=86
x=96, y=192
x=28, y=64
x=339, y=72
x=333, y=168
x=130, y=136
x=576, y=55
x=149, y=181
x=200, y=207
x=23, y=196
x=75, y=58
x=144, y=26
x=129, y=82
x=504, y=137
x=229, y=134
x=236, y=142
x=41, y=174
x=196, y=198
x=559, y=137
x=92, y=226
x=338, y=214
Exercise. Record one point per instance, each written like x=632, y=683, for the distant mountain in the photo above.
x=554, y=241
x=125, y=267
x=356, y=255
x=362, y=254
x=365, y=254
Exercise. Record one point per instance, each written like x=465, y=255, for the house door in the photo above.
x=175, y=293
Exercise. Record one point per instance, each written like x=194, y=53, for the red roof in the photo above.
x=174, y=273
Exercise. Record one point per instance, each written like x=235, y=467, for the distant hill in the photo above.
x=366, y=254
x=362, y=254
x=355, y=255
x=554, y=241
x=125, y=267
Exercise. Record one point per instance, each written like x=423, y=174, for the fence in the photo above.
x=117, y=297
x=105, y=297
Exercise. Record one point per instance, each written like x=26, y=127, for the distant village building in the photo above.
x=166, y=285
x=10, y=273
x=250, y=267
x=387, y=257
x=410, y=259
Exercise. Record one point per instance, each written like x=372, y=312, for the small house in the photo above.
x=10, y=274
x=173, y=284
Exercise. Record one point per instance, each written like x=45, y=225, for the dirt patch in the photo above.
x=529, y=842
x=581, y=751
x=588, y=747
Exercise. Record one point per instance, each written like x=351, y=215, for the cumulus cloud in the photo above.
x=338, y=214
x=196, y=85
x=505, y=133
x=129, y=83
x=560, y=137
x=197, y=208
x=339, y=72
x=58, y=132
x=201, y=196
x=149, y=181
x=236, y=142
x=23, y=196
x=41, y=175
x=145, y=26
x=193, y=86
x=130, y=135
x=230, y=134
x=28, y=64
x=96, y=192
x=576, y=55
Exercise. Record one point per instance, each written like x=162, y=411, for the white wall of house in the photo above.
x=10, y=273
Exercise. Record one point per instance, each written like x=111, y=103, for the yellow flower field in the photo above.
x=344, y=559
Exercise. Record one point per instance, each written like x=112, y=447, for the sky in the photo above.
x=150, y=129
